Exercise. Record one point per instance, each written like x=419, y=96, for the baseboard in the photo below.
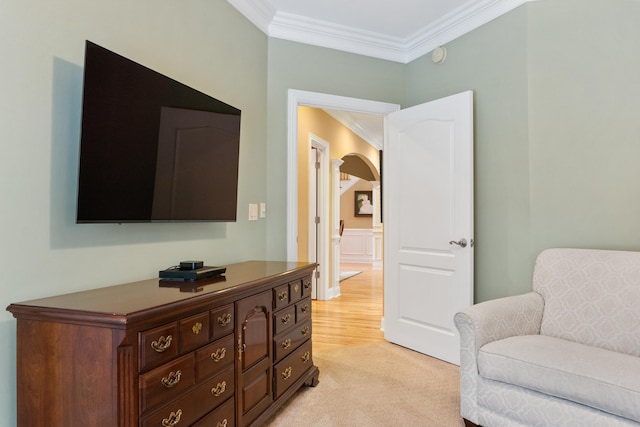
x=334, y=291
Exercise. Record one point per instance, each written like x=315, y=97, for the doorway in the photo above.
x=361, y=209
x=433, y=129
x=318, y=100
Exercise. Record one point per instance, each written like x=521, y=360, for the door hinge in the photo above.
x=317, y=220
x=317, y=274
x=317, y=165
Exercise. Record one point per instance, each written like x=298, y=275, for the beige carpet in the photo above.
x=378, y=384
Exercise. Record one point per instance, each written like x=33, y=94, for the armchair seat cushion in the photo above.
x=592, y=376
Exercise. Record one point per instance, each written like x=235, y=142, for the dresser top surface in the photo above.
x=131, y=298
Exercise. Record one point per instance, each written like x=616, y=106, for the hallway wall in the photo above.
x=342, y=142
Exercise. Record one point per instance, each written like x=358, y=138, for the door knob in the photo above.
x=462, y=243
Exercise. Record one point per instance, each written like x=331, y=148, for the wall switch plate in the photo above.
x=253, y=211
x=263, y=210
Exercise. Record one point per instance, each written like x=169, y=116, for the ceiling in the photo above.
x=395, y=30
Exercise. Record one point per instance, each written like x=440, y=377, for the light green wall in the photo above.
x=308, y=68
x=557, y=139
x=492, y=61
x=584, y=102
x=557, y=136
x=205, y=44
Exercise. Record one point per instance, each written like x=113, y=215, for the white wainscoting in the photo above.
x=357, y=245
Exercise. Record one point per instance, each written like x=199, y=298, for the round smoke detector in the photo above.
x=438, y=55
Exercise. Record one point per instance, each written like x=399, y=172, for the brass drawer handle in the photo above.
x=173, y=420
x=305, y=330
x=287, y=373
x=172, y=379
x=241, y=347
x=305, y=357
x=283, y=295
x=285, y=319
x=162, y=344
x=305, y=308
x=196, y=328
x=307, y=285
x=219, y=354
x=225, y=319
x=219, y=389
x=286, y=344
x=222, y=423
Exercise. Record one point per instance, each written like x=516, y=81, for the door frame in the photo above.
x=297, y=98
x=321, y=206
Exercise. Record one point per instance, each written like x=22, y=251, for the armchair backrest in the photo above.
x=591, y=297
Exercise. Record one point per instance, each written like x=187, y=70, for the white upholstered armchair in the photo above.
x=565, y=354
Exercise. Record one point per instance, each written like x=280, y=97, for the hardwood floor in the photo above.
x=353, y=318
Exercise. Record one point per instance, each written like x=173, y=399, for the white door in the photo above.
x=428, y=222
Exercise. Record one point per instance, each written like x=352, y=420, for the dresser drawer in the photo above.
x=303, y=310
x=166, y=382
x=224, y=416
x=288, y=341
x=295, y=290
x=158, y=345
x=222, y=321
x=220, y=387
x=306, y=287
x=292, y=367
x=214, y=357
x=194, y=332
x=280, y=297
x=284, y=319
x=194, y=404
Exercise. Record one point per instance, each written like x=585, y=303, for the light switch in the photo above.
x=253, y=211
x=263, y=210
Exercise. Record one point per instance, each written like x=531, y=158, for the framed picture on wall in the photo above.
x=363, y=205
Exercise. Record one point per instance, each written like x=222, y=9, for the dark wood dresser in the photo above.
x=218, y=352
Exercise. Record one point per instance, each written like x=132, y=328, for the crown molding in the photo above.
x=457, y=23
x=334, y=36
x=260, y=13
x=368, y=127
x=460, y=21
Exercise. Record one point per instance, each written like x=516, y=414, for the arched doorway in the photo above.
x=360, y=211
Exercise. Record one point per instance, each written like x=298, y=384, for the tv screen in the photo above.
x=153, y=149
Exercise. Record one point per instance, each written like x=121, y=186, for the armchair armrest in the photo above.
x=490, y=321
x=502, y=318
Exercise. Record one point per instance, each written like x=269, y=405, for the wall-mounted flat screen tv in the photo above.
x=153, y=149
